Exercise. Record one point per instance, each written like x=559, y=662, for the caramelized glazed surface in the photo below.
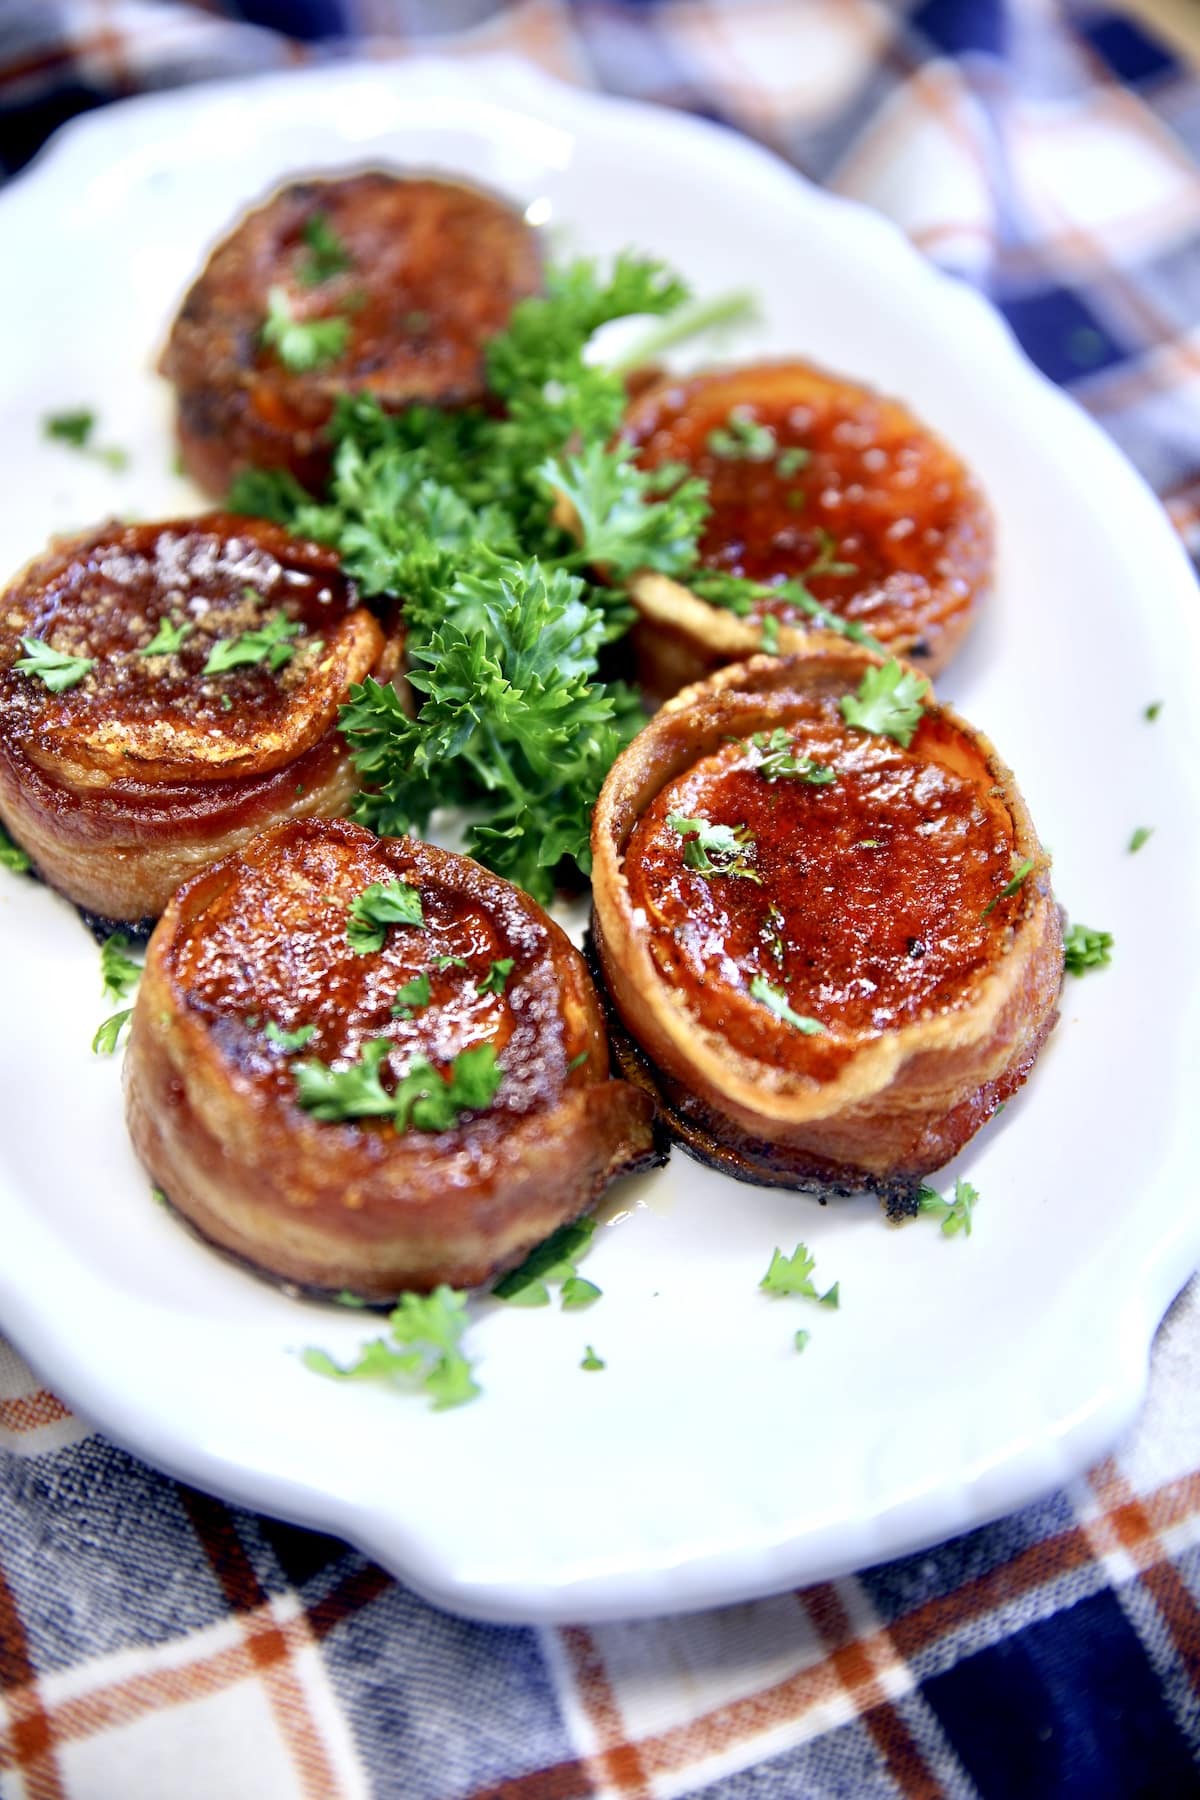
x=874, y=489
x=150, y=719
x=264, y=938
x=869, y=908
x=434, y=270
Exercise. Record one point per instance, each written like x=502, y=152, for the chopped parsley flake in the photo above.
x=776, y=1000
x=577, y=1292
x=423, y=1099
x=1140, y=837
x=889, y=702
x=269, y=644
x=715, y=849
x=496, y=979
x=1152, y=711
x=552, y=1261
x=377, y=907
x=54, y=668
x=826, y=560
x=780, y=762
x=119, y=973
x=412, y=997
x=327, y=255
x=791, y=460
x=591, y=1360
x=301, y=345
x=423, y=1350
x=1020, y=873
x=287, y=1041
x=770, y=635
x=353, y=1093
x=11, y=855
x=793, y=1275
x=167, y=639
x=1085, y=949
x=75, y=429
x=800, y=1339
x=105, y=1040
x=741, y=439
x=739, y=595
x=955, y=1215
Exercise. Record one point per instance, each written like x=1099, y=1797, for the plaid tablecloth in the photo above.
x=156, y=1644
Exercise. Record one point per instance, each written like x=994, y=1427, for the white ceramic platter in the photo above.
x=708, y=1462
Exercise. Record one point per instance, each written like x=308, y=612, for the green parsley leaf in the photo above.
x=1010, y=888
x=769, y=642
x=833, y=1296
x=1140, y=837
x=414, y=995
x=776, y=1000
x=287, y=1041
x=780, y=762
x=54, y=668
x=1085, y=949
x=742, y=439
x=377, y=1361
x=577, y=1292
x=800, y=1339
x=12, y=856
x=353, y=1093
x=791, y=1274
x=449, y=962
x=74, y=428
x=496, y=979
x=423, y=1100
x=955, y=1215
x=553, y=1260
x=327, y=255
x=577, y=1062
x=273, y=494
x=511, y=716
x=591, y=1360
x=889, y=702
x=119, y=973
x=105, y=1040
x=301, y=345
x=791, y=460
x=1152, y=711
x=625, y=522
x=825, y=561
x=377, y=907
x=346, y=1298
x=267, y=644
x=739, y=596
x=167, y=639
x=431, y=1102
x=425, y=1349
x=715, y=849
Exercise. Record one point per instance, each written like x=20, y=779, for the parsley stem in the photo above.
x=703, y=315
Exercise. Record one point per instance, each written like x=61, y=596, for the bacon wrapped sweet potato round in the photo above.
x=822, y=911
x=168, y=690
x=816, y=479
x=372, y=1065
x=372, y=283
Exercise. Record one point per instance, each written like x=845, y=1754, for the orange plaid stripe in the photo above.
x=31, y=1411
x=854, y=1662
